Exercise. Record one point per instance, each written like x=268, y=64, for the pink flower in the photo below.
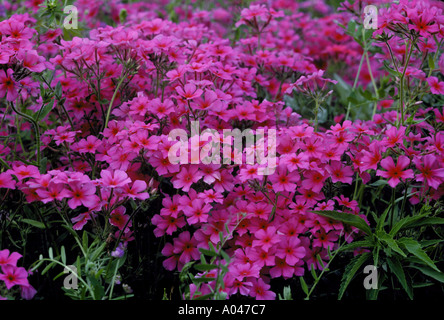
x=24, y=171
x=186, y=177
x=189, y=91
x=13, y=275
x=283, y=181
x=118, y=218
x=113, y=179
x=340, y=173
x=266, y=238
x=395, y=172
x=6, y=181
x=6, y=258
x=291, y=251
x=136, y=190
x=186, y=247
x=8, y=85
x=436, y=86
x=80, y=193
x=260, y=291
x=314, y=180
x=430, y=172
x=55, y=191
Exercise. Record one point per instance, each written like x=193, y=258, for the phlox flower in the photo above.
x=186, y=177
x=80, y=220
x=54, y=191
x=430, y=172
x=197, y=212
x=13, y=275
x=290, y=250
x=395, y=172
x=237, y=286
x=186, y=247
x=266, y=238
x=137, y=190
x=6, y=258
x=436, y=86
x=6, y=181
x=88, y=145
x=260, y=290
x=119, y=219
x=189, y=91
x=314, y=180
x=325, y=240
x=113, y=179
x=8, y=85
x=284, y=181
x=167, y=224
x=82, y=194
x=340, y=173
x=242, y=271
x=24, y=171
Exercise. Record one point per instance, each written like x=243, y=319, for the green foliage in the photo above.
x=396, y=251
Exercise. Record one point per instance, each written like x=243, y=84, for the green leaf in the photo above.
x=34, y=223
x=205, y=267
x=430, y=221
x=303, y=285
x=58, y=90
x=381, y=220
x=85, y=241
x=396, y=267
x=43, y=164
x=350, y=272
x=431, y=62
x=378, y=183
x=63, y=255
x=346, y=218
x=430, y=272
x=414, y=248
x=401, y=224
x=49, y=266
x=43, y=112
x=203, y=280
x=357, y=244
x=225, y=256
x=390, y=242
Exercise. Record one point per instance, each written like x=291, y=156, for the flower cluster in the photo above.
x=104, y=131
x=12, y=275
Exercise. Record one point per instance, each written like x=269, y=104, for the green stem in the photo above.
x=355, y=83
x=36, y=127
x=401, y=83
x=373, y=83
x=108, y=113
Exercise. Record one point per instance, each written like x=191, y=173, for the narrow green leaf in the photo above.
x=430, y=221
x=396, y=267
x=63, y=255
x=203, y=280
x=34, y=223
x=85, y=241
x=303, y=285
x=401, y=224
x=357, y=244
x=205, y=267
x=350, y=272
x=206, y=252
x=313, y=273
x=346, y=218
x=439, y=276
x=390, y=242
x=414, y=248
x=49, y=266
x=225, y=256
